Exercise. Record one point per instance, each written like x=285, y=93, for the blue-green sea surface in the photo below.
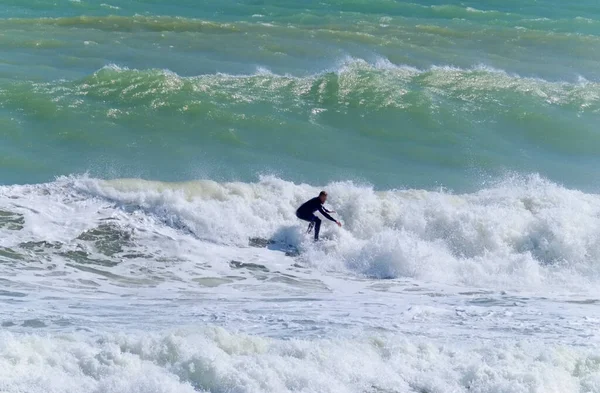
x=389, y=93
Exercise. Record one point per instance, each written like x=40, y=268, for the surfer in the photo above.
x=307, y=210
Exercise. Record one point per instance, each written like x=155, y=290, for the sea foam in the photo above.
x=215, y=360
x=521, y=232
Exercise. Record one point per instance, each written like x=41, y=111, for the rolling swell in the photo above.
x=356, y=84
x=464, y=119
x=117, y=23
x=361, y=92
x=398, y=21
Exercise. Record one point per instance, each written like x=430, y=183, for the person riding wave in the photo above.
x=307, y=210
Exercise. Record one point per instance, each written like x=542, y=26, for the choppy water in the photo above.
x=152, y=155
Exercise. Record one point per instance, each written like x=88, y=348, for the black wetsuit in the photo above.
x=306, y=213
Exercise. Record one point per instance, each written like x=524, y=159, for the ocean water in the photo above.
x=153, y=153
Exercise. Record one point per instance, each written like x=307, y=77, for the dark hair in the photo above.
x=323, y=193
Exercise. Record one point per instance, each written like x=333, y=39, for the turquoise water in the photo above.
x=387, y=93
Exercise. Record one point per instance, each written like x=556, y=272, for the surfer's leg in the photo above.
x=317, y=222
x=314, y=222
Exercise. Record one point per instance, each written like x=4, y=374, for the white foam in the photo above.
x=112, y=7
x=216, y=360
x=114, y=67
x=525, y=233
x=475, y=10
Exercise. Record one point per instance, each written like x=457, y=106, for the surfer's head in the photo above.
x=323, y=196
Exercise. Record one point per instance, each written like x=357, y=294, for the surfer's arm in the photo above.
x=323, y=211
